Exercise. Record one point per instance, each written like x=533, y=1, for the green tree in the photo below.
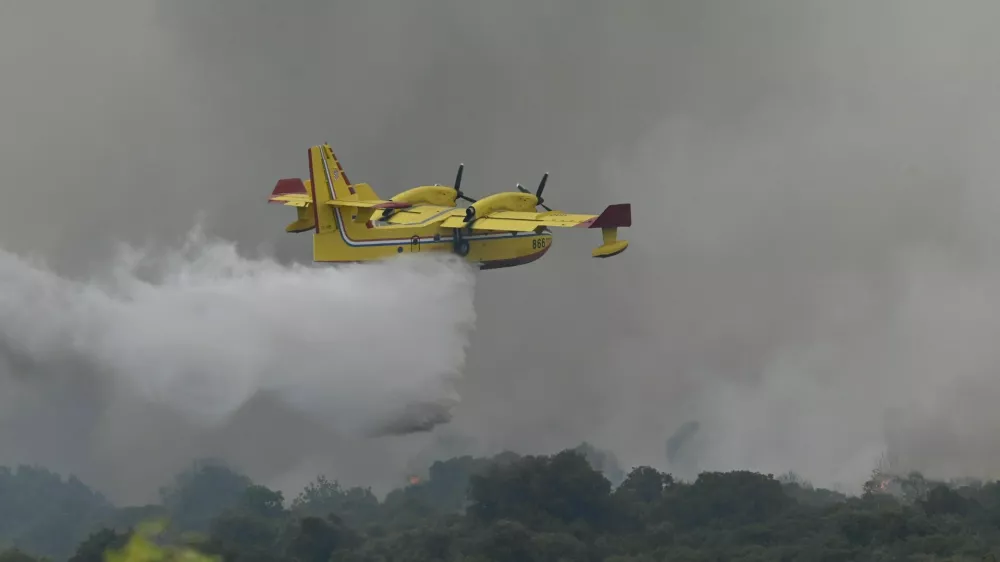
x=202, y=492
x=315, y=539
x=942, y=500
x=536, y=490
x=644, y=485
x=45, y=514
x=16, y=555
x=535, y=508
x=262, y=501
x=322, y=497
x=732, y=498
x=92, y=548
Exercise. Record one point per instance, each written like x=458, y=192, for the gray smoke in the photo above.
x=810, y=276
x=198, y=333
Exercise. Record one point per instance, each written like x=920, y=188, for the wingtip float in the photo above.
x=350, y=223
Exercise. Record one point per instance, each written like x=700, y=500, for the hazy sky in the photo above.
x=810, y=275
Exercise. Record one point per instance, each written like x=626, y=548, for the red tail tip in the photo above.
x=614, y=216
x=289, y=186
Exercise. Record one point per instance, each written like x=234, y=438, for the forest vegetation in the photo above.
x=568, y=506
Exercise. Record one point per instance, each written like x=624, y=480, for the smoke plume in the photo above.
x=201, y=331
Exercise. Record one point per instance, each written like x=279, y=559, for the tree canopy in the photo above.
x=559, y=507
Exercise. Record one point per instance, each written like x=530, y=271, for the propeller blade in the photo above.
x=458, y=185
x=541, y=186
x=538, y=192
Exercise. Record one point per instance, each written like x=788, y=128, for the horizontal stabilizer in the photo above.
x=292, y=200
x=292, y=192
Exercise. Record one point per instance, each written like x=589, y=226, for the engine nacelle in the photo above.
x=507, y=201
x=428, y=195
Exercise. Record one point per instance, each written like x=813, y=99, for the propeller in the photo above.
x=538, y=192
x=458, y=185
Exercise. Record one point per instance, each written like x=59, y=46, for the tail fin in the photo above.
x=329, y=184
x=319, y=199
x=333, y=191
x=328, y=177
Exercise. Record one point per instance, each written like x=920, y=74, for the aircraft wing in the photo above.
x=609, y=221
x=614, y=216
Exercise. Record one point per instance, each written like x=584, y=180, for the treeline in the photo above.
x=513, y=508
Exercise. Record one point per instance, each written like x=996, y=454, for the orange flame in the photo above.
x=414, y=480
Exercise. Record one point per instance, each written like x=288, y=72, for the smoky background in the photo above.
x=810, y=277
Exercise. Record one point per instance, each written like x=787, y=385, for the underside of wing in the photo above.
x=370, y=204
x=490, y=223
x=417, y=216
x=363, y=211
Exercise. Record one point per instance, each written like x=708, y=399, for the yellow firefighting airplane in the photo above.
x=352, y=224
